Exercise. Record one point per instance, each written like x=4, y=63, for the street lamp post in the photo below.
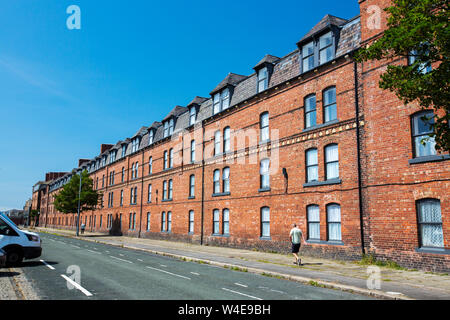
x=78, y=214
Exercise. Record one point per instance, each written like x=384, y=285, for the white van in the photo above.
x=18, y=244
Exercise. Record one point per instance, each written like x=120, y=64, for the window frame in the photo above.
x=264, y=129
x=264, y=222
x=307, y=165
x=311, y=111
x=415, y=118
x=328, y=162
x=329, y=223
x=310, y=222
x=420, y=223
x=329, y=105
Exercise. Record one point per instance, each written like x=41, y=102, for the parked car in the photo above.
x=2, y=258
x=18, y=244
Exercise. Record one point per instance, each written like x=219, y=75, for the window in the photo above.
x=133, y=197
x=136, y=168
x=192, y=151
x=264, y=127
x=112, y=156
x=151, y=135
x=170, y=158
x=308, y=56
x=164, y=190
x=192, y=115
x=165, y=160
x=192, y=186
x=216, y=221
x=217, y=143
x=226, y=179
x=331, y=162
x=334, y=222
x=221, y=101
x=424, y=67
x=326, y=48
x=135, y=144
x=148, y=221
x=124, y=150
x=424, y=144
x=150, y=165
x=132, y=170
x=312, y=167
x=329, y=104
x=171, y=126
x=170, y=189
x=310, y=111
x=149, y=193
x=123, y=174
x=264, y=174
x=121, y=197
x=265, y=222
x=191, y=221
x=216, y=180
x=263, y=79
x=430, y=223
x=103, y=161
x=226, y=221
x=163, y=221
x=169, y=221
x=313, y=217
x=103, y=181
x=226, y=140
x=166, y=129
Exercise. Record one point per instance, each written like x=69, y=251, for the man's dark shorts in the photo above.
x=295, y=247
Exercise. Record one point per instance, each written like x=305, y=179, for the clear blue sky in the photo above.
x=64, y=92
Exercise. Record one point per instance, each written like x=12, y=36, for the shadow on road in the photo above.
x=35, y=263
x=4, y=274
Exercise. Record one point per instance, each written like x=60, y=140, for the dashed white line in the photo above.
x=49, y=266
x=93, y=251
x=176, y=275
x=241, y=285
x=242, y=294
x=75, y=246
x=140, y=260
x=76, y=285
x=121, y=259
x=197, y=274
x=163, y=265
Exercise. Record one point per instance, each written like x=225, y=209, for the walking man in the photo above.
x=296, y=236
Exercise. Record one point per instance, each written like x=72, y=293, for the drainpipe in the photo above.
x=203, y=182
x=358, y=148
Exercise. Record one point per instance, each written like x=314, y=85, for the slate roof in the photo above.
x=245, y=87
x=326, y=21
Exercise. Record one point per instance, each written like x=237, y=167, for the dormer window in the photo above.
x=150, y=137
x=112, y=156
x=168, y=127
x=135, y=144
x=124, y=150
x=263, y=79
x=192, y=115
x=221, y=100
x=103, y=161
x=308, y=56
x=326, y=48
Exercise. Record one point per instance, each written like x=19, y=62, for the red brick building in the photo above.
x=308, y=138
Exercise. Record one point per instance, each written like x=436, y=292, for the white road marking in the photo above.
x=121, y=259
x=163, y=265
x=107, y=251
x=51, y=240
x=76, y=285
x=242, y=294
x=75, y=246
x=176, y=275
x=93, y=251
x=141, y=260
x=242, y=285
x=121, y=254
x=197, y=274
x=49, y=266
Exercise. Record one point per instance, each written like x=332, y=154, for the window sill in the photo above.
x=220, y=235
x=322, y=183
x=166, y=200
x=221, y=194
x=265, y=142
x=189, y=198
x=265, y=238
x=433, y=250
x=319, y=126
x=264, y=189
x=166, y=231
x=432, y=158
x=330, y=242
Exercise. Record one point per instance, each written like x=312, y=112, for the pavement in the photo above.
x=346, y=276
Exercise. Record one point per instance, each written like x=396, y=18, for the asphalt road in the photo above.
x=75, y=269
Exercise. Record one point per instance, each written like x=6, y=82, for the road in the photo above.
x=112, y=273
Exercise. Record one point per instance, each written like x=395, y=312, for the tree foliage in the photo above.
x=420, y=27
x=66, y=201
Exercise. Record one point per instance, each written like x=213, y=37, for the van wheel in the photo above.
x=14, y=257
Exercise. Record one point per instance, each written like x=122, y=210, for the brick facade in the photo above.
x=377, y=186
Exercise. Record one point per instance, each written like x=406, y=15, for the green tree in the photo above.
x=418, y=30
x=66, y=201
